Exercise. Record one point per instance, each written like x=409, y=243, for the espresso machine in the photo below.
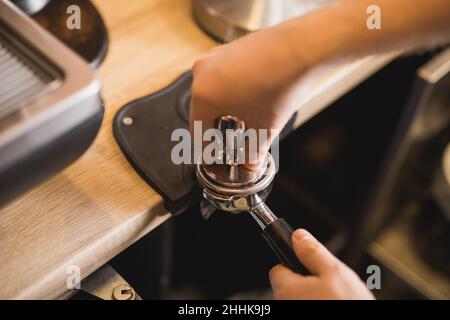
x=50, y=103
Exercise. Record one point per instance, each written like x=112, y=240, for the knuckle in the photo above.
x=201, y=93
x=281, y=293
x=197, y=65
x=198, y=93
x=290, y=286
x=273, y=273
x=195, y=87
x=289, y=290
x=277, y=294
x=276, y=274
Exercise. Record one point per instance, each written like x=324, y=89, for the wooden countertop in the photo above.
x=98, y=206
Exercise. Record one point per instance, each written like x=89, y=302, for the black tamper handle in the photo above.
x=278, y=235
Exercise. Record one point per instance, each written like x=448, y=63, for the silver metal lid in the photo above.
x=231, y=19
x=227, y=20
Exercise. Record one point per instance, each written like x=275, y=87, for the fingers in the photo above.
x=279, y=275
x=312, y=254
x=287, y=284
x=283, y=280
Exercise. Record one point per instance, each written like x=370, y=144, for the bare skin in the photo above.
x=261, y=77
x=331, y=278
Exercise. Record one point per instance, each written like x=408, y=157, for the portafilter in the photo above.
x=232, y=187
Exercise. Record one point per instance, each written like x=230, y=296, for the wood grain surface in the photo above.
x=98, y=206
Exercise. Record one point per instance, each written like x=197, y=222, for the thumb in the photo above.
x=312, y=254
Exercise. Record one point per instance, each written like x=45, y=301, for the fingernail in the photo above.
x=302, y=235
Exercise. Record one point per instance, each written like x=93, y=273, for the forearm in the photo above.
x=340, y=33
x=262, y=77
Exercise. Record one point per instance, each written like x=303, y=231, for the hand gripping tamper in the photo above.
x=233, y=188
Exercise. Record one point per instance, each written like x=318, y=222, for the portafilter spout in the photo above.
x=230, y=186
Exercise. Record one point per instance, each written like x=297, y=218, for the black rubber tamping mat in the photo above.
x=143, y=130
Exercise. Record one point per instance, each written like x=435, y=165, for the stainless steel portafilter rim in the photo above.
x=260, y=184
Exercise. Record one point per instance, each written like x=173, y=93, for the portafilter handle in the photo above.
x=278, y=234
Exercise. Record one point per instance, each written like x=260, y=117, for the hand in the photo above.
x=251, y=78
x=262, y=77
x=331, y=278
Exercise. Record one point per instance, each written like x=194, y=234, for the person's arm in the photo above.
x=331, y=278
x=261, y=77
x=340, y=32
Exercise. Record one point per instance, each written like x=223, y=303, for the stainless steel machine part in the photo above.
x=50, y=106
x=263, y=215
x=227, y=20
x=30, y=6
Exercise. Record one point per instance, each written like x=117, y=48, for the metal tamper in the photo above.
x=233, y=188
